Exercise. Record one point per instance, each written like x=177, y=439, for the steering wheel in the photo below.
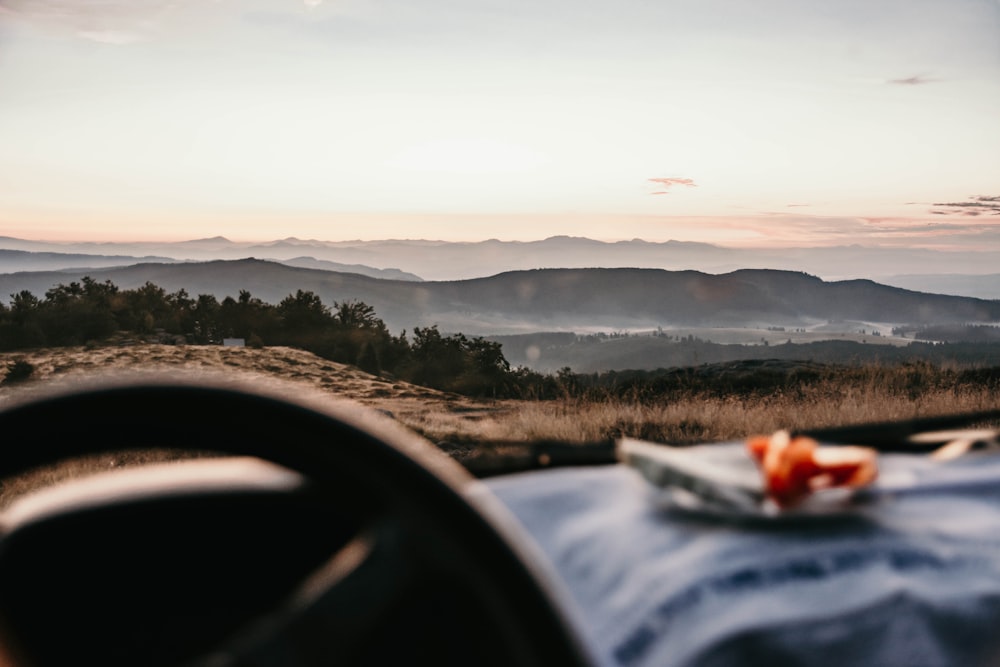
x=356, y=543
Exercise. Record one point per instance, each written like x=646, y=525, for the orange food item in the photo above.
x=795, y=467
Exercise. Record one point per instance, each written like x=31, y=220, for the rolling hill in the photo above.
x=555, y=299
x=441, y=260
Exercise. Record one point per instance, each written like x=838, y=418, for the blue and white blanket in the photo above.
x=906, y=573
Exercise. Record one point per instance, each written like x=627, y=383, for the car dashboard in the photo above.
x=321, y=534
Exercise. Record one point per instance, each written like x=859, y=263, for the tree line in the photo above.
x=91, y=312
x=94, y=313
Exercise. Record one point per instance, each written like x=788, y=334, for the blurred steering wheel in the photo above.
x=356, y=543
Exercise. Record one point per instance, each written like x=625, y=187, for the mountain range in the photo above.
x=554, y=299
x=12, y=261
x=960, y=273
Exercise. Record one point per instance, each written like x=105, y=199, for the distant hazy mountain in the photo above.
x=556, y=299
x=986, y=286
x=22, y=260
x=440, y=260
x=388, y=274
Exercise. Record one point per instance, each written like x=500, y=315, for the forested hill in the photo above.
x=695, y=298
x=553, y=298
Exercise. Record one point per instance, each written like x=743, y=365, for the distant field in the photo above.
x=860, y=332
x=602, y=350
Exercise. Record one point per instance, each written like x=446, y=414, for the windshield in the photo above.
x=494, y=220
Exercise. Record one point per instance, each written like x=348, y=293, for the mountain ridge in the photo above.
x=446, y=260
x=554, y=299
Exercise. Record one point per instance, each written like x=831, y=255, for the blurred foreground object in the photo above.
x=796, y=467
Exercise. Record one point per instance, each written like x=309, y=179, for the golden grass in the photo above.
x=709, y=419
x=686, y=421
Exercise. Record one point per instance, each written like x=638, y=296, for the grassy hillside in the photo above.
x=64, y=366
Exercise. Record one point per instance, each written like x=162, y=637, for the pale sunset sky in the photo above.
x=736, y=122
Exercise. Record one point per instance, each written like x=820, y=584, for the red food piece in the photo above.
x=795, y=467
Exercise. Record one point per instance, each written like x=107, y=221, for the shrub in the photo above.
x=18, y=371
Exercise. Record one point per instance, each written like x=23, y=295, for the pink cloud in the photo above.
x=667, y=183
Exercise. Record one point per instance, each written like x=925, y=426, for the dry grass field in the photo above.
x=873, y=393
x=461, y=425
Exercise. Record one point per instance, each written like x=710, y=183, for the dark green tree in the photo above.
x=368, y=358
x=205, y=320
x=248, y=316
x=77, y=313
x=357, y=315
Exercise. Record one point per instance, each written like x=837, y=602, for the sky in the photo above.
x=767, y=123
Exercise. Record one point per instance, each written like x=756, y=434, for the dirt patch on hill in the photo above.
x=432, y=413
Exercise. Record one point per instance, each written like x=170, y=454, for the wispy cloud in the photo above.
x=977, y=205
x=665, y=184
x=896, y=226
x=123, y=21
x=918, y=80
x=106, y=21
x=788, y=229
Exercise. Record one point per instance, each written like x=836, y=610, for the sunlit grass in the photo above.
x=708, y=419
x=690, y=420
x=461, y=425
x=850, y=396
